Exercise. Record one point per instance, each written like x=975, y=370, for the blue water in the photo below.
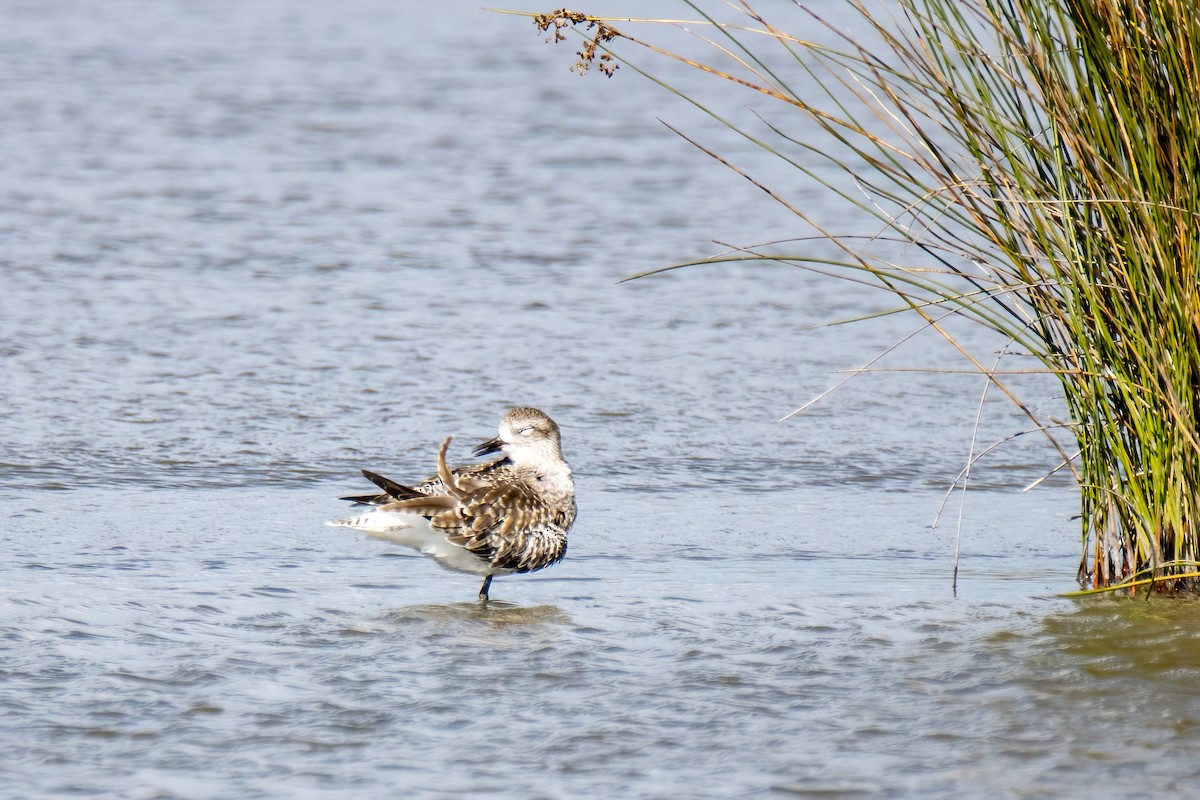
x=252, y=248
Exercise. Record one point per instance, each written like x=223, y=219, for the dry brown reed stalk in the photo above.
x=1044, y=157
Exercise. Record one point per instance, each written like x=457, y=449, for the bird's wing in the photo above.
x=488, y=510
x=392, y=491
x=432, y=506
x=397, y=491
x=471, y=475
x=506, y=523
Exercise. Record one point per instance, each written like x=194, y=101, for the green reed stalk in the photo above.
x=1044, y=156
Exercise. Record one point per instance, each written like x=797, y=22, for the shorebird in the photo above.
x=495, y=518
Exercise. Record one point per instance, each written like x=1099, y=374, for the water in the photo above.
x=251, y=248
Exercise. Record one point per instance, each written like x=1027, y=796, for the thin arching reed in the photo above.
x=1042, y=160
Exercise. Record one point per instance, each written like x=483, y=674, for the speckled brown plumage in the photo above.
x=510, y=515
x=392, y=491
x=506, y=517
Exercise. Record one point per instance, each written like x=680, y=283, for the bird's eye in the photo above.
x=525, y=431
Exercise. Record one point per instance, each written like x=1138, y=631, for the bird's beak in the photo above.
x=488, y=447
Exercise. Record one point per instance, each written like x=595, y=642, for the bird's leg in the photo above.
x=483, y=590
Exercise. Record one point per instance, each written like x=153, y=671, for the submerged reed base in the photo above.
x=1042, y=156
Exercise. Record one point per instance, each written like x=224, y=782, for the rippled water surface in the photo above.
x=250, y=248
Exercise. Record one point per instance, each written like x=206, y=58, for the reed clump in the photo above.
x=1042, y=159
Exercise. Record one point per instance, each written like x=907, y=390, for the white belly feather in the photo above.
x=413, y=530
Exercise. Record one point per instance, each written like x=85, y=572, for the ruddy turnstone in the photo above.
x=495, y=518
